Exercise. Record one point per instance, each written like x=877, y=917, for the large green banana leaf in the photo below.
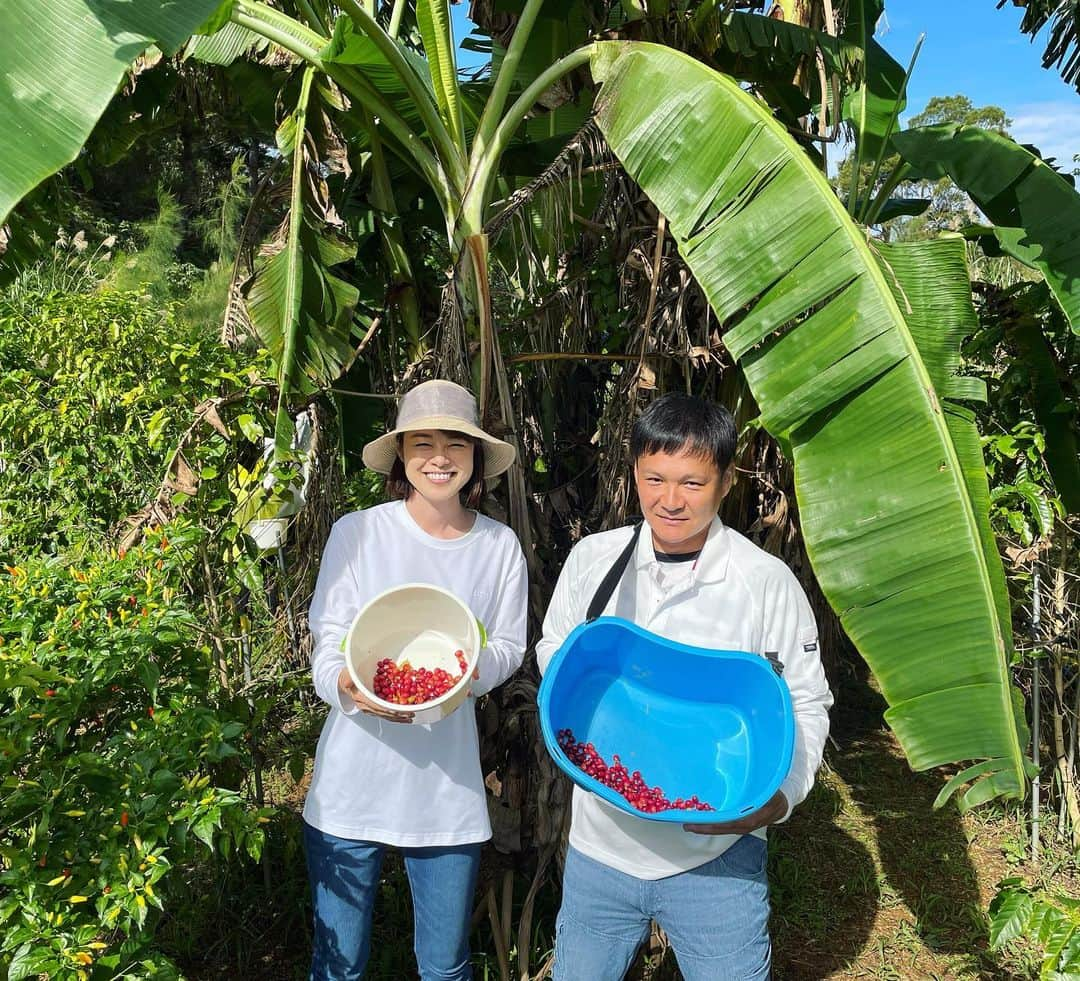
x=61, y=63
x=885, y=484
x=1036, y=213
x=302, y=312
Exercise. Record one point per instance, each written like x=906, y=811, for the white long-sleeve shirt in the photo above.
x=408, y=784
x=736, y=597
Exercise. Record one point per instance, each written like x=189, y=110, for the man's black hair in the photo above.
x=676, y=422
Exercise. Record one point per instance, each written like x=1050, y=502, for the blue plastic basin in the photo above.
x=718, y=724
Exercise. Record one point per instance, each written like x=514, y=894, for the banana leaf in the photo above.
x=1035, y=211
x=62, y=61
x=888, y=483
x=872, y=106
x=225, y=45
x=433, y=20
x=769, y=47
x=301, y=311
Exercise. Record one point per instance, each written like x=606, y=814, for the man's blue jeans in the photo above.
x=344, y=879
x=716, y=918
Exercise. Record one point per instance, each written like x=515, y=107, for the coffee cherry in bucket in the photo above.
x=402, y=684
x=615, y=775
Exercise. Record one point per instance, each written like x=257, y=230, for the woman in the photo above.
x=379, y=782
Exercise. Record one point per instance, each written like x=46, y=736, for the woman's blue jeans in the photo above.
x=716, y=917
x=344, y=879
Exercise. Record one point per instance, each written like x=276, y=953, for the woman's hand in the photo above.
x=348, y=687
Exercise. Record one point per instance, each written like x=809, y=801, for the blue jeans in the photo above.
x=344, y=879
x=716, y=918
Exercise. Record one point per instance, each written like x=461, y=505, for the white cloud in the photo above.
x=1054, y=127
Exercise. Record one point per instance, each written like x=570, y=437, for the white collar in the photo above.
x=711, y=564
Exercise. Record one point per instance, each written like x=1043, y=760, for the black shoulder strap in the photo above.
x=607, y=585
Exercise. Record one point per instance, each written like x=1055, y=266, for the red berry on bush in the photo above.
x=49, y=692
x=123, y=819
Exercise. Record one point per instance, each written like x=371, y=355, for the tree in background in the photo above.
x=949, y=208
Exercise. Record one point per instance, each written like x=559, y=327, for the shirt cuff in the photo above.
x=789, y=788
x=346, y=704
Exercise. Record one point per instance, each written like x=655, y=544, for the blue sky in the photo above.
x=974, y=49
x=971, y=48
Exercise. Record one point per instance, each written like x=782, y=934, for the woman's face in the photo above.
x=438, y=464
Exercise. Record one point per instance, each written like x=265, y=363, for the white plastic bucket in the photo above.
x=423, y=625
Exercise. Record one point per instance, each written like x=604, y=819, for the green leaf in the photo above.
x=22, y=964
x=250, y=427
x=204, y=828
x=225, y=45
x=301, y=311
x=1035, y=211
x=750, y=35
x=1059, y=938
x=433, y=19
x=890, y=503
x=149, y=674
x=1009, y=915
x=63, y=61
x=895, y=207
x=218, y=19
x=872, y=106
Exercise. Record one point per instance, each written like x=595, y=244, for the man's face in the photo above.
x=680, y=494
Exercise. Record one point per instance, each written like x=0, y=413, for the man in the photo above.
x=690, y=579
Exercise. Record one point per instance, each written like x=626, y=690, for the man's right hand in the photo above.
x=348, y=687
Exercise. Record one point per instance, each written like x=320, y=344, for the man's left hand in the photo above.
x=772, y=812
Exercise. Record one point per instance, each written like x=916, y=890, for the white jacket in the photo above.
x=736, y=597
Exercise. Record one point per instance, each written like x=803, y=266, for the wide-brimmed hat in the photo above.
x=438, y=405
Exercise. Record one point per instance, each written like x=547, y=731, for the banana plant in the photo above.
x=851, y=352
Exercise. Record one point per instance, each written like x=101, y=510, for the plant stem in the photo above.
x=485, y=159
x=489, y=121
x=313, y=18
x=900, y=171
x=280, y=28
x=284, y=32
x=395, y=18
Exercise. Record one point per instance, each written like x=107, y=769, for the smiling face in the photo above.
x=680, y=494
x=438, y=464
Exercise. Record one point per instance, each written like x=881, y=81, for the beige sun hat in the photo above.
x=438, y=405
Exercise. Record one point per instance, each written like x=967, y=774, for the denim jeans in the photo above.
x=344, y=879
x=716, y=918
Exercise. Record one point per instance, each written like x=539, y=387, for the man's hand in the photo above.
x=772, y=812
x=361, y=701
